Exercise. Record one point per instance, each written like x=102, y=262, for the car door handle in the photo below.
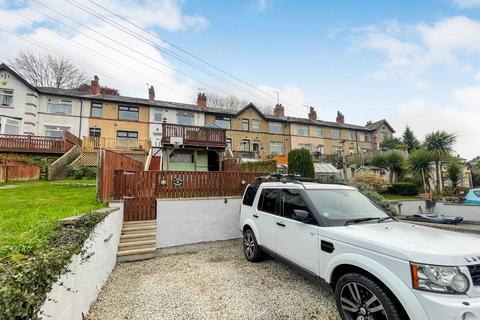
x=280, y=224
x=255, y=215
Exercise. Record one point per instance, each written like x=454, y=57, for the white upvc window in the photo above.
x=55, y=131
x=275, y=127
x=255, y=125
x=276, y=147
x=6, y=97
x=319, y=132
x=335, y=133
x=302, y=130
x=304, y=146
x=59, y=106
x=9, y=126
x=350, y=135
x=158, y=116
x=321, y=149
x=338, y=151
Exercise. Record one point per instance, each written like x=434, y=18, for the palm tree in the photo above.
x=395, y=163
x=439, y=144
x=419, y=164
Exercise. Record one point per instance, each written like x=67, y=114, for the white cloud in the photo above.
x=412, y=50
x=424, y=116
x=260, y=5
x=147, y=66
x=467, y=3
x=291, y=97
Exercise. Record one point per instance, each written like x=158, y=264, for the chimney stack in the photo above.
x=95, y=88
x=340, y=117
x=202, y=100
x=279, y=111
x=312, y=115
x=151, y=94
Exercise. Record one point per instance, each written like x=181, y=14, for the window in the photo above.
x=302, y=130
x=185, y=118
x=245, y=125
x=364, y=136
x=95, y=132
x=275, y=127
x=255, y=125
x=304, y=146
x=6, y=97
x=10, y=126
x=96, y=110
x=321, y=149
x=292, y=200
x=245, y=145
x=223, y=122
x=229, y=143
x=59, y=106
x=256, y=146
x=367, y=136
x=158, y=116
x=127, y=113
x=181, y=157
x=335, y=133
x=267, y=201
x=55, y=131
x=350, y=135
x=250, y=194
x=319, y=132
x=338, y=151
x=127, y=139
x=276, y=147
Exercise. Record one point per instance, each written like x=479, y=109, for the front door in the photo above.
x=295, y=240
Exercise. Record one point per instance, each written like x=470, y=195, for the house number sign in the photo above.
x=177, y=182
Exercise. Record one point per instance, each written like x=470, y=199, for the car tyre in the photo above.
x=360, y=297
x=251, y=249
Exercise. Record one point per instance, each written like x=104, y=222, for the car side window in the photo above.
x=249, y=196
x=292, y=200
x=267, y=201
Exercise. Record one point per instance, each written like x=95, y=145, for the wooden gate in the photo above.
x=137, y=189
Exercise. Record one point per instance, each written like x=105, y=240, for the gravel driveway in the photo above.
x=211, y=281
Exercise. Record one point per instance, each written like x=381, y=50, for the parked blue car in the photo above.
x=472, y=197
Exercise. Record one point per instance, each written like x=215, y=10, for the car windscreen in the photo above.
x=338, y=206
x=477, y=193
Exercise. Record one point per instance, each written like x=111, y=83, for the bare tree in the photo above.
x=48, y=71
x=235, y=103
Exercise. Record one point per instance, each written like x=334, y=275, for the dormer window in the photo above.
x=6, y=97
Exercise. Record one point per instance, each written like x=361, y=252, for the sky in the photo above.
x=414, y=63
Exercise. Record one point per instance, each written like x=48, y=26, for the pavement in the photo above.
x=211, y=281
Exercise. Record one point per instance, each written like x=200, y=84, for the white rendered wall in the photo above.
x=86, y=278
x=467, y=211
x=184, y=221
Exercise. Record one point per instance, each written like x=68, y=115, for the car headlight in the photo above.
x=438, y=279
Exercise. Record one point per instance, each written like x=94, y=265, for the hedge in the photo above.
x=404, y=189
x=300, y=163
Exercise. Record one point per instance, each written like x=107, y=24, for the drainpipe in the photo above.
x=80, y=124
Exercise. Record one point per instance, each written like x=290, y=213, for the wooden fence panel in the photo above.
x=16, y=170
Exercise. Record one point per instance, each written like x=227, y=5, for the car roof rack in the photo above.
x=284, y=178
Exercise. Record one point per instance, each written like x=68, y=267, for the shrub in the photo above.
x=83, y=172
x=404, y=189
x=300, y=163
x=265, y=166
x=368, y=191
x=376, y=182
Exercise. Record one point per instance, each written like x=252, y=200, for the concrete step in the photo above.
x=129, y=252
x=132, y=223
x=139, y=236
x=145, y=228
x=129, y=244
x=136, y=257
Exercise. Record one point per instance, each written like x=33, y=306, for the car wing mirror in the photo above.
x=302, y=215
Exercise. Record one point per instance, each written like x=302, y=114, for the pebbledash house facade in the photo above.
x=169, y=135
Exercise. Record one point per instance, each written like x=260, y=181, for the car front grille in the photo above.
x=475, y=273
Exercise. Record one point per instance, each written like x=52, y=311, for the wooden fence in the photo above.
x=181, y=184
x=108, y=163
x=16, y=170
x=27, y=143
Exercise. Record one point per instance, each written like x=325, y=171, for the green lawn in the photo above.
x=399, y=197
x=29, y=211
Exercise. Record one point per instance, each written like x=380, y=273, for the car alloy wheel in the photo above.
x=359, y=303
x=249, y=245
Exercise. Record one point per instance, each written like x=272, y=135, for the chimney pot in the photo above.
x=95, y=88
x=279, y=111
x=202, y=100
x=340, y=117
x=312, y=115
x=151, y=94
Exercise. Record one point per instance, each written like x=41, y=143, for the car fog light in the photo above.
x=460, y=283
